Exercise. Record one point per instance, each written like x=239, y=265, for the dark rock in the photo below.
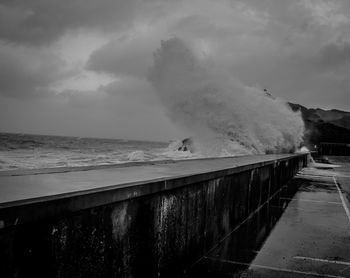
x=331, y=126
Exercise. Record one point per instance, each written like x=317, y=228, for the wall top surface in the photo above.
x=30, y=186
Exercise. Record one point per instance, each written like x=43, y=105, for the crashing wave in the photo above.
x=222, y=115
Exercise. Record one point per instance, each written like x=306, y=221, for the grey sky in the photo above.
x=80, y=67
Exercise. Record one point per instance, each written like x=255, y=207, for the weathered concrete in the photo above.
x=302, y=233
x=149, y=220
x=342, y=149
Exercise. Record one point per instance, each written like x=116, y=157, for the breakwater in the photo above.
x=139, y=220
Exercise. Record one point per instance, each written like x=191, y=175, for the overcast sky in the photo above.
x=80, y=68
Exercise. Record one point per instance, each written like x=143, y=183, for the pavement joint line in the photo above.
x=342, y=199
x=313, y=176
x=322, y=260
x=313, y=201
x=316, y=173
x=343, y=176
x=321, y=183
x=311, y=273
x=294, y=207
x=313, y=173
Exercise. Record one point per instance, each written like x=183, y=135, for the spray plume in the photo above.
x=222, y=115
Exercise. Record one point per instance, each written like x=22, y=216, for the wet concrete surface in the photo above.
x=303, y=232
x=343, y=172
x=17, y=186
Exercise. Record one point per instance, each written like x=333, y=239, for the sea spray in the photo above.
x=222, y=115
x=136, y=156
x=310, y=160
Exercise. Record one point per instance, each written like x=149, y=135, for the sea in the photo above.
x=27, y=151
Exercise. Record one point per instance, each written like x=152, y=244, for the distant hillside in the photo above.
x=324, y=125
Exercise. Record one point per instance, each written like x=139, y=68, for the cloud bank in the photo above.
x=92, y=52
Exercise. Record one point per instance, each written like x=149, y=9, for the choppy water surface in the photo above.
x=23, y=151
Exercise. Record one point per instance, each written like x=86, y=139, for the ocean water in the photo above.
x=24, y=151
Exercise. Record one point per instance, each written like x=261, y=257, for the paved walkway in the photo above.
x=303, y=232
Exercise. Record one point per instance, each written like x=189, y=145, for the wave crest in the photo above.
x=222, y=115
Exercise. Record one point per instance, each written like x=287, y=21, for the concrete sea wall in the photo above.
x=152, y=225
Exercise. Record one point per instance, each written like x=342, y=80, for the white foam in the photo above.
x=303, y=150
x=136, y=156
x=222, y=115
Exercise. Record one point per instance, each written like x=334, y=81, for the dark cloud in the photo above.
x=138, y=91
x=125, y=56
x=335, y=55
x=291, y=48
x=41, y=21
x=89, y=113
x=29, y=72
x=298, y=50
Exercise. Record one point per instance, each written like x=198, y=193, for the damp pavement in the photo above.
x=303, y=232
